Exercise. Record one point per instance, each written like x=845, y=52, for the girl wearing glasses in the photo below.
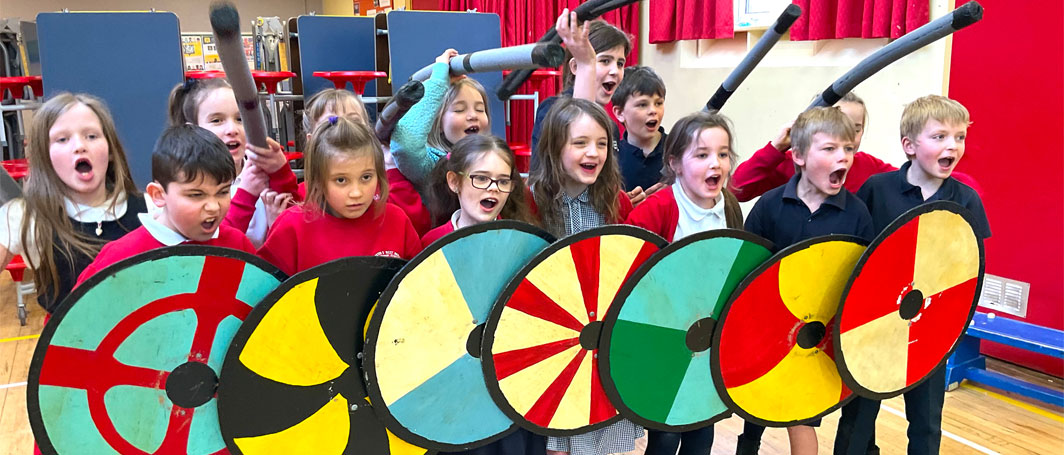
x=477, y=182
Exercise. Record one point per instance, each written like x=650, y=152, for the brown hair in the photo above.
x=436, y=137
x=603, y=37
x=186, y=98
x=827, y=120
x=931, y=107
x=464, y=155
x=44, y=192
x=340, y=138
x=547, y=173
x=685, y=132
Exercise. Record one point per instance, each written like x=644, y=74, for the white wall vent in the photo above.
x=1005, y=295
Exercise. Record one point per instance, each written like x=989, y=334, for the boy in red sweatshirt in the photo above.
x=192, y=172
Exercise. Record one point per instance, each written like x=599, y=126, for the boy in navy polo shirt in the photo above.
x=813, y=203
x=639, y=104
x=933, y=130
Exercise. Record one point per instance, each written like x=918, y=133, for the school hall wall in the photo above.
x=193, y=14
x=1011, y=81
x=786, y=81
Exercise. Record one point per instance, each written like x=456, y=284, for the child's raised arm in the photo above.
x=575, y=37
x=273, y=162
x=253, y=181
x=765, y=169
x=413, y=156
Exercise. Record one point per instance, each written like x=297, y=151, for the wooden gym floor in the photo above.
x=975, y=420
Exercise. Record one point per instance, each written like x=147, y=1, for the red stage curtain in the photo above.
x=525, y=21
x=835, y=19
x=672, y=20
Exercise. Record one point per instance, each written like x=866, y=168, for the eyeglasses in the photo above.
x=482, y=182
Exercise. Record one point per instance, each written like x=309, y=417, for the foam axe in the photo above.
x=525, y=56
x=407, y=95
x=226, y=25
x=587, y=11
x=769, y=39
x=967, y=14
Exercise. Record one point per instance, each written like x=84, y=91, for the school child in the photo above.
x=191, y=171
x=577, y=187
x=813, y=203
x=933, y=133
x=698, y=156
x=772, y=166
x=639, y=104
x=79, y=197
x=477, y=182
x=598, y=53
x=344, y=213
x=210, y=103
x=448, y=112
x=401, y=192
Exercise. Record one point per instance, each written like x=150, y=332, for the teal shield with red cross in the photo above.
x=129, y=362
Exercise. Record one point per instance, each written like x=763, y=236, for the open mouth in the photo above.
x=83, y=166
x=588, y=167
x=652, y=124
x=713, y=181
x=475, y=129
x=209, y=224
x=837, y=177
x=609, y=86
x=946, y=162
x=232, y=145
x=489, y=203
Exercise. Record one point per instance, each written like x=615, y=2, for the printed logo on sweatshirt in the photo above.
x=389, y=254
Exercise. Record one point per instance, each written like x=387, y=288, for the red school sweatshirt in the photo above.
x=769, y=168
x=401, y=193
x=660, y=213
x=140, y=240
x=302, y=238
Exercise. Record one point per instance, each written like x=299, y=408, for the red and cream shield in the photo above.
x=543, y=333
x=909, y=301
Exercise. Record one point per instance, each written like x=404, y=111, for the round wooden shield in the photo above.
x=772, y=355
x=292, y=382
x=423, y=345
x=909, y=300
x=129, y=362
x=541, y=341
x=657, y=334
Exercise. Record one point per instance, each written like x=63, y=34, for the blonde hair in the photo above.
x=827, y=120
x=931, y=107
x=341, y=138
x=852, y=98
x=436, y=138
x=327, y=100
x=44, y=192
